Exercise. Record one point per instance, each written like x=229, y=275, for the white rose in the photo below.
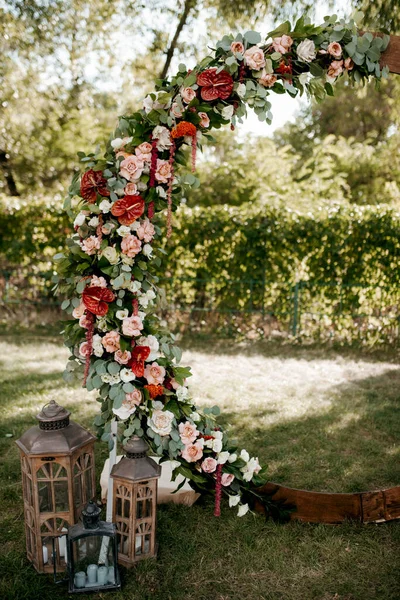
x=217, y=446
x=94, y=221
x=150, y=294
x=126, y=375
x=241, y=90
x=306, y=51
x=161, y=192
x=208, y=443
x=102, y=325
x=243, y=509
x=127, y=260
x=234, y=500
x=141, y=186
x=222, y=458
x=123, y=230
x=105, y=206
x=218, y=435
x=149, y=103
x=111, y=254
x=124, y=412
x=195, y=417
x=182, y=393
x=147, y=250
x=98, y=347
x=227, y=112
x=245, y=456
x=232, y=458
x=118, y=142
x=161, y=422
x=151, y=342
x=163, y=136
x=143, y=301
x=134, y=286
x=79, y=219
x=122, y=314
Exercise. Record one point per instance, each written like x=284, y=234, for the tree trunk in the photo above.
x=9, y=177
x=189, y=5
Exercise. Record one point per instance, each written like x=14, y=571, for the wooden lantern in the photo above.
x=135, y=480
x=57, y=463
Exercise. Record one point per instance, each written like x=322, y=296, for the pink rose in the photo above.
x=144, y=151
x=237, y=48
x=146, y=231
x=209, y=465
x=84, y=349
x=154, y=374
x=335, y=68
x=254, y=58
x=227, y=479
x=188, y=94
x=133, y=398
x=282, y=44
x=132, y=326
x=111, y=341
x=192, y=452
x=122, y=357
x=98, y=282
x=131, y=189
x=79, y=311
x=85, y=322
x=130, y=245
x=131, y=168
x=163, y=171
x=91, y=244
x=267, y=79
x=176, y=110
x=349, y=64
x=188, y=432
x=335, y=49
x=129, y=404
x=204, y=119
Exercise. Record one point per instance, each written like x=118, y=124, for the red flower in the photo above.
x=139, y=355
x=284, y=68
x=155, y=390
x=183, y=128
x=96, y=299
x=93, y=183
x=215, y=85
x=128, y=209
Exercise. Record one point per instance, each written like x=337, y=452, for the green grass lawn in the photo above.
x=321, y=419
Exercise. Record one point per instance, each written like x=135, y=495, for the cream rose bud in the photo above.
x=182, y=393
x=160, y=190
x=163, y=136
x=244, y=455
x=134, y=286
x=123, y=230
x=94, y=221
x=217, y=446
x=282, y=44
x=335, y=49
x=161, y=422
x=227, y=112
x=209, y=465
x=237, y=48
x=241, y=90
x=147, y=250
x=188, y=94
x=227, y=479
x=195, y=417
x=79, y=219
x=176, y=110
x=232, y=458
x=243, y=509
x=188, y=432
x=222, y=458
x=306, y=51
x=234, y=500
x=204, y=119
x=193, y=452
x=254, y=58
x=105, y=206
x=126, y=375
x=111, y=254
x=122, y=314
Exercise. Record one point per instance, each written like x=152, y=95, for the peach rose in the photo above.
x=146, y=231
x=131, y=168
x=122, y=153
x=209, y=465
x=227, y=479
x=176, y=110
x=79, y=311
x=132, y=326
x=111, y=341
x=282, y=44
x=98, y=282
x=267, y=79
x=254, y=58
x=188, y=94
x=204, y=119
x=237, y=48
x=130, y=245
x=154, y=373
x=122, y=357
x=335, y=49
x=188, y=432
x=349, y=64
x=131, y=189
x=91, y=244
x=144, y=151
x=335, y=68
x=129, y=404
x=84, y=349
x=163, y=171
x=192, y=452
x=134, y=398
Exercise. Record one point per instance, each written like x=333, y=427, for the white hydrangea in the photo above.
x=182, y=393
x=122, y=314
x=126, y=375
x=98, y=348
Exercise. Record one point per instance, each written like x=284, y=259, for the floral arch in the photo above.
x=109, y=272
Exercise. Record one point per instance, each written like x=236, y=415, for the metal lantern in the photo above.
x=135, y=480
x=92, y=553
x=57, y=463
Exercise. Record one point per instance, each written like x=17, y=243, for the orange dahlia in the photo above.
x=183, y=128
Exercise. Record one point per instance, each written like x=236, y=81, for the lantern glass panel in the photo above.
x=45, y=497
x=90, y=555
x=61, y=496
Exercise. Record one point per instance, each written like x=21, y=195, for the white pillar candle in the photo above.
x=80, y=579
x=45, y=555
x=102, y=575
x=111, y=575
x=92, y=573
x=62, y=545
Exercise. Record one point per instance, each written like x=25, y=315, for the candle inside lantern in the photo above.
x=111, y=575
x=80, y=579
x=62, y=544
x=92, y=573
x=45, y=555
x=102, y=575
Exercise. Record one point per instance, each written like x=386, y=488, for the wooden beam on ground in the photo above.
x=319, y=507
x=391, y=56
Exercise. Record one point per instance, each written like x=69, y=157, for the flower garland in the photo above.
x=109, y=274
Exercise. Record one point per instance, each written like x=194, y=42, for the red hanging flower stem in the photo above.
x=169, y=192
x=218, y=492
